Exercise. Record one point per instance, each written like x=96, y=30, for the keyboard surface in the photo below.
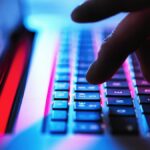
x=121, y=105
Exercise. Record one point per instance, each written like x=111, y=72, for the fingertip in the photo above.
x=75, y=15
x=93, y=76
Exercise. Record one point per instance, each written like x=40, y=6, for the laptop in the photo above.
x=54, y=107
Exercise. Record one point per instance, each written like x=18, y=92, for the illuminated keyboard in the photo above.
x=120, y=105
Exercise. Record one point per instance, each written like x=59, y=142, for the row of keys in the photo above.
x=121, y=111
x=59, y=106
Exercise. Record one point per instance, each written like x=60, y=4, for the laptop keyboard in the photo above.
x=119, y=106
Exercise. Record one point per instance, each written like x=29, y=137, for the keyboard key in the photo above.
x=80, y=73
x=62, y=78
x=119, y=101
x=116, y=84
x=143, y=91
x=138, y=75
x=58, y=127
x=84, y=127
x=86, y=87
x=87, y=116
x=60, y=105
x=63, y=70
x=81, y=80
x=90, y=96
x=144, y=99
x=118, y=92
x=121, y=111
x=119, y=77
x=124, y=125
x=61, y=86
x=87, y=106
x=141, y=83
x=61, y=95
x=59, y=115
x=145, y=109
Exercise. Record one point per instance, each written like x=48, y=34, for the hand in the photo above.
x=132, y=34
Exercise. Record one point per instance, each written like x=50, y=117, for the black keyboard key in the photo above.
x=143, y=91
x=60, y=105
x=87, y=116
x=58, y=127
x=84, y=96
x=93, y=106
x=90, y=127
x=144, y=99
x=116, y=84
x=118, y=92
x=61, y=86
x=119, y=101
x=62, y=78
x=59, y=115
x=124, y=125
x=86, y=88
x=145, y=109
x=121, y=111
x=141, y=83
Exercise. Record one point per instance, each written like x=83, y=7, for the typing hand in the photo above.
x=132, y=34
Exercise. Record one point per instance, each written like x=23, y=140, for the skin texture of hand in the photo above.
x=132, y=34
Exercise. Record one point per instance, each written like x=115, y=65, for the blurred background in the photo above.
x=38, y=15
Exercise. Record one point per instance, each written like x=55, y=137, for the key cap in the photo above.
x=119, y=77
x=81, y=80
x=59, y=115
x=143, y=91
x=61, y=95
x=84, y=127
x=86, y=88
x=82, y=65
x=63, y=86
x=141, y=83
x=119, y=101
x=87, y=106
x=63, y=70
x=87, y=116
x=121, y=111
x=138, y=75
x=62, y=78
x=90, y=96
x=80, y=73
x=124, y=125
x=58, y=127
x=60, y=105
x=116, y=84
x=118, y=92
x=144, y=99
x=145, y=109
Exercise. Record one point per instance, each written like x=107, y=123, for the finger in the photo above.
x=94, y=10
x=125, y=39
x=143, y=54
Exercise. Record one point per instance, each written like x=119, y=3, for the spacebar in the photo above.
x=12, y=81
